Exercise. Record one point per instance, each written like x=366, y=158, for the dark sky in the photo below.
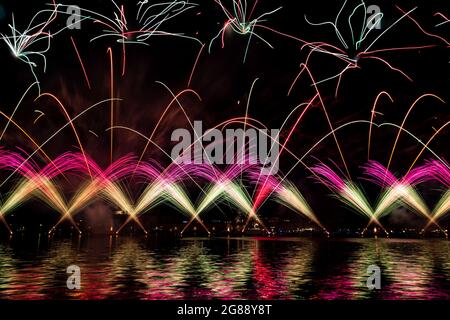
x=223, y=81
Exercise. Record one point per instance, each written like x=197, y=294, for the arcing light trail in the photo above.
x=360, y=46
x=21, y=42
x=167, y=188
x=404, y=121
x=397, y=190
x=240, y=19
x=35, y=40
x=443, y=17
x=150, y=19
x=163, y=188
x=239, y=186
x=346, y=191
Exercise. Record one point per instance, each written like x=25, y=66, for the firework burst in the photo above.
x=241, y=20
x=364, y=36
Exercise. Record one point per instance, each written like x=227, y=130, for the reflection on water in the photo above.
x=236, y=268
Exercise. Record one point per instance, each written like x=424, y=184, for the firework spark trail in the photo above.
x=166, y=187
x=103, y=183
x=346, y=191
x=242, y=23
x=232, y=192
x=291, y=197
x=37, y=182
x=59, y=104
x=41, y=114
x=149, y=18
x=262, y=196
x=265, y=191
x=335, y=183
x=360, y=46
x=29, y=137
x=172, y=191
x=8, y=161
x=265, y=195
x=175, y=98
x=287, y=194
x=40, y=146
x=262, y=192
x=163, y=186
x=195, y=65
x=181, y=167
x=318, y=96
x=20, y=42
x=441, y=172
x=16, y=108
x=372, y=117
x=165, y=112
x=197, y=139
x=70, y=121
x=426, y=146
x=111, y=112
x=86, y=77
x=442, y=207
x=223, y=187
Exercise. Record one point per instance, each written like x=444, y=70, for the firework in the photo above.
x=35, y=182
x=345, y=191
x=135, y=185
x=104, y=184
x=150, y=19
x=442, y=207
x=33, y=42
x=224, y=188
x=287, y=194
x=163, y=186
x=397, y=191
x=166, y=186
x=443, y=17
x=439, y=171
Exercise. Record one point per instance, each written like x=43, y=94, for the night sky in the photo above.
x=223, y=82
